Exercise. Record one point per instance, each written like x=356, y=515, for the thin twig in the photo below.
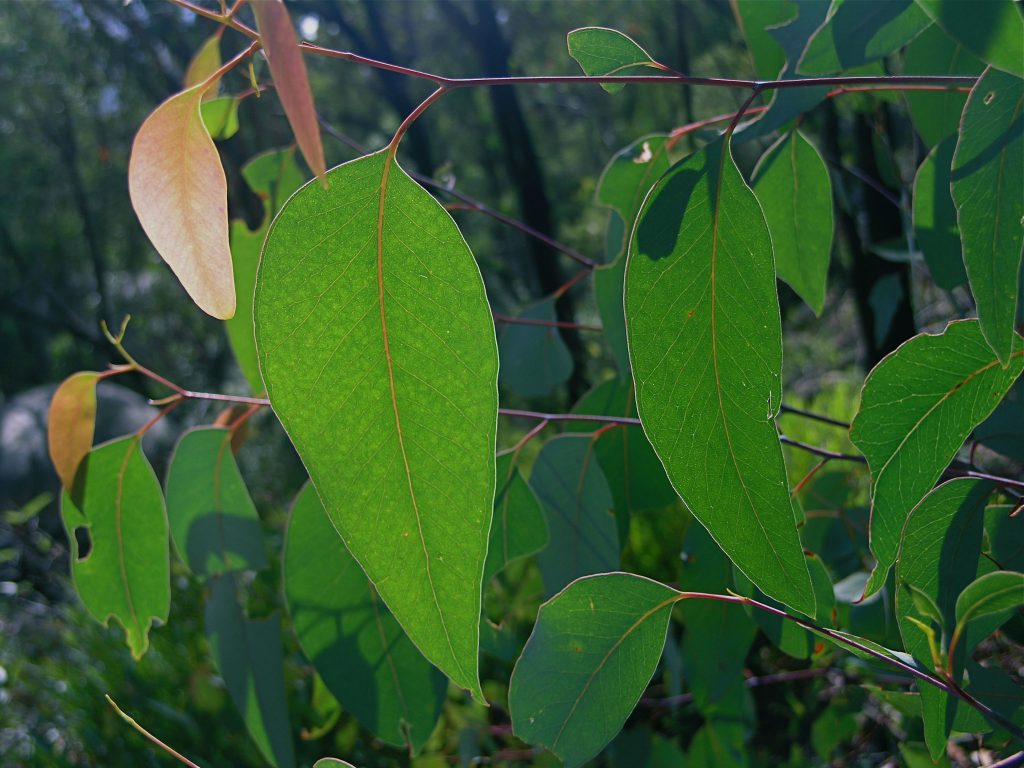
x=128, y=719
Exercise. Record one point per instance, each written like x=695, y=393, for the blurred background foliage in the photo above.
x=79, y=76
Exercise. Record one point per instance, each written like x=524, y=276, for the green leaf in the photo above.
x=993, y=593
x=591, y=654
x=630, y=173
x=756, y=18
x=608, y=288
x=332, y=762
x=860, y=32
x=705, y=342
x=633, y=471
x=936, y=115
x=938, y=557
x=126, y=572
x=248, y=656
x=992, y=30
x=214, y=523
x=273, y=176
x=1003, y=431
x=377, y=347
x=601, y=51
x=360, y=651
x=793, y=186
x=578, y=506
x=917, y=407
x=518, y=528
x=534, y=358
x=988, y=175
x=220, y=116
x=935, y=227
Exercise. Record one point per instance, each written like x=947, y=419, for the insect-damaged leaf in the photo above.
x=290, y=79
x=988, y=176
x=180, y=195
x=601, y=51
x=793, y=186
x=213, y=520
x=344, y=628
x=377, y=347
x=126, y=572
x=917, y=407
x=71, y=423
x=705, y=342
x=248, y=655
x=592, y=652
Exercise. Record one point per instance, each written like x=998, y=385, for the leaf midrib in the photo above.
x=122, y=565
x=389, y=159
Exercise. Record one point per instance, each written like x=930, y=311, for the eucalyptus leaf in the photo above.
x=601, y=51
x=988, y=175
x=935, y=227
x=994, y=593
x=705, y=344
x=248, y=655
x=125, y=575
x=992, y=30
x=917, y=407
x=859, y=32
x=793, y=187
x=592, y=652
x=360, y=651
x=534, y=358
x=518, y=528
x=214, y=524
x=220, y=115
x=579, y=510
x=377, y=348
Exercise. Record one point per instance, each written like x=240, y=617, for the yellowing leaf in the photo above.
x=289, y=73
x=71, y=424
x=180, y=195
x=205, y=62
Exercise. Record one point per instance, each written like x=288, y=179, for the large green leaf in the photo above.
x=519, y=528
x=936, y=114
x=534, y=358
x=248, y=655
x=377, y=347
x=214, y=523
x=705, y=342
x=360, y=651
x=988, y=176
x=858, y=32
x=126, y=572
x=273, y=176
x=935, y=227
x=601, y=51
x=917, y=407
x=793, y=186
x=993, y=30
x=579, y=509
x=938, y=557
x=591, y=654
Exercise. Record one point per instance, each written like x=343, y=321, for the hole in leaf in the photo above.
x=990, y=97
x=83, y=541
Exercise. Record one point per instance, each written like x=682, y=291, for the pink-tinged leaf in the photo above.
x=292, y=85
x=205, y=62
x=180, y=195
x=71, y=424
